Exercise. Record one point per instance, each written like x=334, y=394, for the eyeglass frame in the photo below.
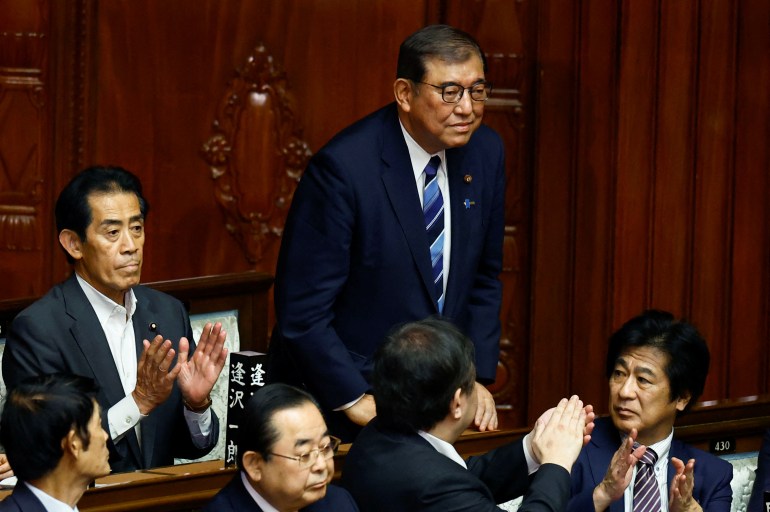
x=442, y=88
x=334, y=444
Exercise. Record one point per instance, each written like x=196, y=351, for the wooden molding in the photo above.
x=256, y=153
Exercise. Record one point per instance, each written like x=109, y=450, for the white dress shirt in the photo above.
x=258, y=499
x=50, y=503
x=116, y=322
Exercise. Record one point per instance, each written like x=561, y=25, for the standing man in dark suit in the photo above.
x=52, y=430
x=398, y=217
x=656, y=367
x=98, y=322
x=285, y=458
x=404, y=461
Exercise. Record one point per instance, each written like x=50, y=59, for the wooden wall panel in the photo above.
x=685, y=191
x=714, y=158
x=26, y=92
x=552, y=203
x=746, y=356
x=157, y=91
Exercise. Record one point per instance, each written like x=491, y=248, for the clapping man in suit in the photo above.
x=135, y=342
x=399, y=217
x=403, y=460
x=285, y=458
x=52, y=430
x=656, y=368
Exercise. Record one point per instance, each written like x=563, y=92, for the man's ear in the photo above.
x=457, y=404
x=71, y=243
x=402, y=90
x=252, y=465
x=683, y=400
x=72, y=444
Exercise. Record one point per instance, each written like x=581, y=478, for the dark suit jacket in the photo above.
x=354, y=257
x=712, y=474
x=21, y=500
x=61, y=333
x=390, y=471
x=234, y=498
x=762, y=480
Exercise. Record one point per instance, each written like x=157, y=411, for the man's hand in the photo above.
x=619, y=473
x=680, y=497
x=558, y=435
x=154, y=375
x=362, y=411
x=486, y=413
x=198, y=375
x=5, y=467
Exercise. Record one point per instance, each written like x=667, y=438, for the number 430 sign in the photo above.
x=720, y=446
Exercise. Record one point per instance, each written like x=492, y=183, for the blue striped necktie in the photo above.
x=433, y=210
x=646, y=491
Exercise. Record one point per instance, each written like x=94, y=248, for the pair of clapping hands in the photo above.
x=195, y=376
x=560, y=433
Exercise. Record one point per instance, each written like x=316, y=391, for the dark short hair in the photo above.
x=257, y=432
x=38, y=414
x=688, y=354
x=72, y=209
x=441, y=42
x=417, y=371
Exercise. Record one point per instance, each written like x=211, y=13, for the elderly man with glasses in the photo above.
x=285, y=457
x=399, y=217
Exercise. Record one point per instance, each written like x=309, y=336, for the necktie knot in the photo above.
x=432, y=168
x=649, y=457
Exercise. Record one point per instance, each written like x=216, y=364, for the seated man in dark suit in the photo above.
x=657, y=367
x=51, y=428
x=285, y=457
x=403, y=460
x=98, y=322
x=762, y=480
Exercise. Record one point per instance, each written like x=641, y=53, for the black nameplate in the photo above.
x=722, y=445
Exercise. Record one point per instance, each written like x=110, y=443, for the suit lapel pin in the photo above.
x=468, y=203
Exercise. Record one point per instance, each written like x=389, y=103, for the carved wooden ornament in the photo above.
x=256, y=154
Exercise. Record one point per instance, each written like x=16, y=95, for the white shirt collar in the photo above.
x=443, y=448
x=50, y=503
x=418, y=156
x=103, y=306
x=259, y=500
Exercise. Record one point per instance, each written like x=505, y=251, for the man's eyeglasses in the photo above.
x=453, y=93
x=308, y=459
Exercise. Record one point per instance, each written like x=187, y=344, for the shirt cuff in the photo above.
x=199, y=425
x=349, y=404
x=123, y=416
x=532, y=464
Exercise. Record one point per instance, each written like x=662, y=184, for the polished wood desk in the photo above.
x=189, y=486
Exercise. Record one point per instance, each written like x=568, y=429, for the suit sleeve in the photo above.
x=486, y=294
x=719, y=496
x=504, y=472
x=313, y=267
